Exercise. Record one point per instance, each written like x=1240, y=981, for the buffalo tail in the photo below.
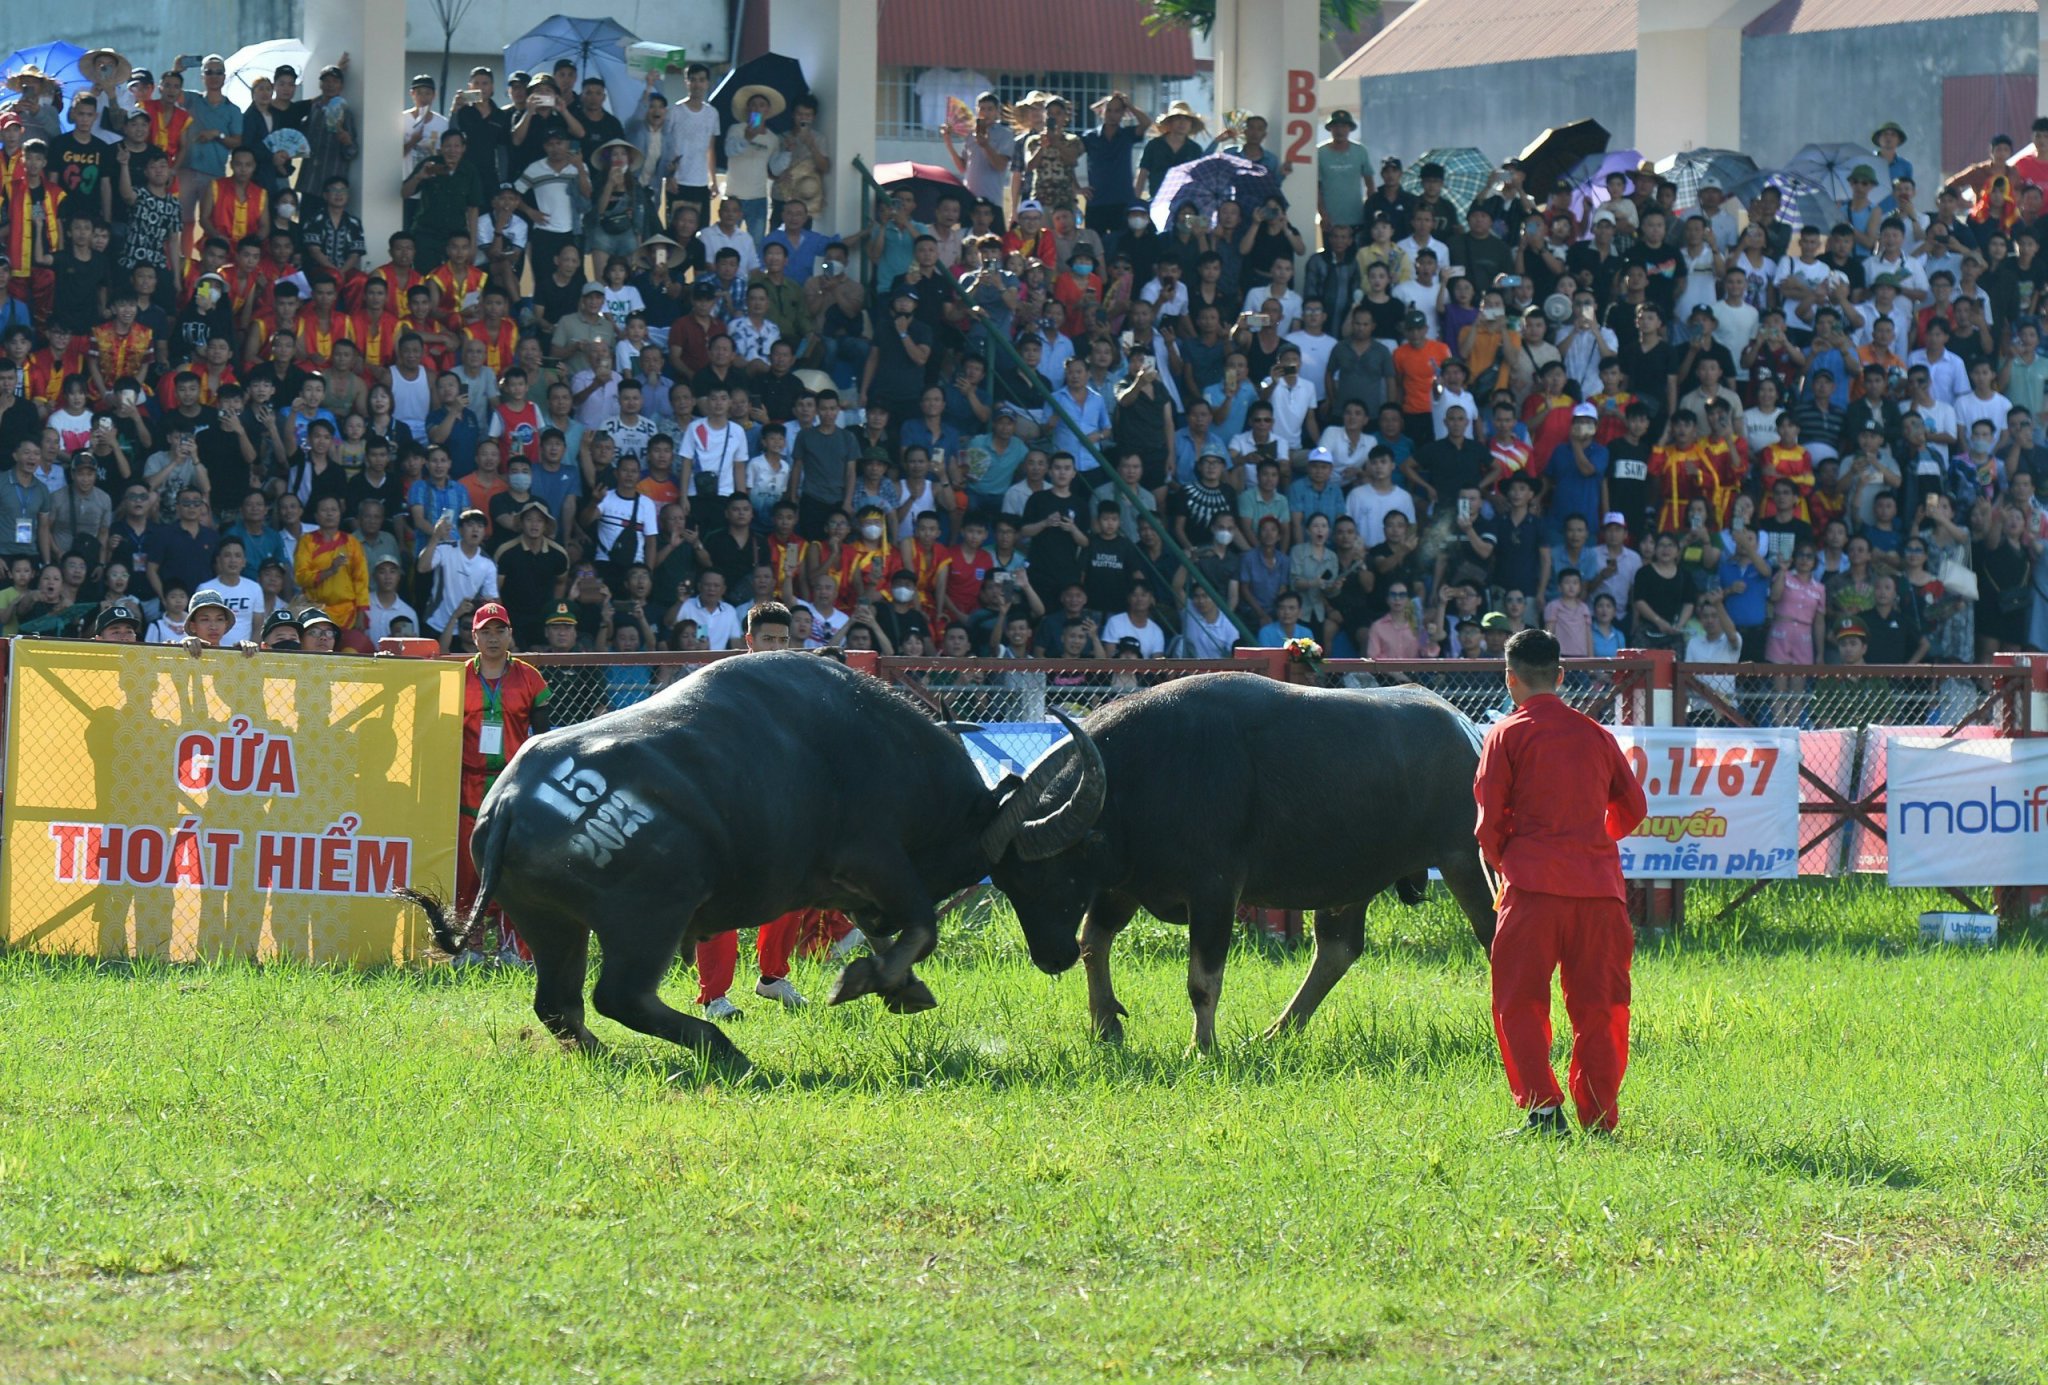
x=450, y=930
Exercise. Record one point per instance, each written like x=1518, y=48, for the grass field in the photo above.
x=1834, y=1167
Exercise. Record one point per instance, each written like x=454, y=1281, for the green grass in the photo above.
x=1832, y=1168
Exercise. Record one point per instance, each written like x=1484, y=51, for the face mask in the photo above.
x=871, y=532
x=1222, y=538
x=287, y=210
x=1980, y=446
x=903, y=594
x=1136, y=222
x=1083, y=268
x=520, y=480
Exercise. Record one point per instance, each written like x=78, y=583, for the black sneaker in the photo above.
x=1550, y=1122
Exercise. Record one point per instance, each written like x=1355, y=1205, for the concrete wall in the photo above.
x=1805, y=88
x=1496, y=109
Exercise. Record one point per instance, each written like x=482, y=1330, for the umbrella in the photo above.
x=1551, y=154
x=245, y=65
x=927, y=181
x=1806, y=204
x=784, y=76
x=1689, y=170
x=1466, y=174
x=1827, y=166
x=596, y=46
x=1589, y=175
x=57, y=61
x=1210, y=181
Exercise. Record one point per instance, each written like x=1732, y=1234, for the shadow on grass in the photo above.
x=1847, y=1156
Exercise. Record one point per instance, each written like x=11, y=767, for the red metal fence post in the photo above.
x=1270, y=662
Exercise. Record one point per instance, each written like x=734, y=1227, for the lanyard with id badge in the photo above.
x=490, y=737
x=24, y=522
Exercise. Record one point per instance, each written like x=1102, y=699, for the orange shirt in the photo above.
x=659, y=491
x=345, y=593
x=1699, y=472
x=46, y=373
x=499, y=345
x=459, y=292
x=788, y=557
x=122, y=355
x=238, y=211
x=1794, y=464
x=1415, y=369
x=316, y=340
x=399, y=281
x=377, y=341
x=168, y=126
x=31, y=221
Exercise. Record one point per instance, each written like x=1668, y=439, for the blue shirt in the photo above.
x=462, y=439
x=894, y=261
x=1575, y=494
x=211, y=157
x=270, y=544
x=1751, y=606
x=451, y=500
x=1227, y=423
x=1608, y=645
x=803, y=254
x=1271, y=636
x=1304, y=500
x=1110, y=171
x=918, y=433
x=1093, y=416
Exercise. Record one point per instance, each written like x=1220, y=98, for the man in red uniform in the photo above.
x=768, y=625
x=504, y=702
x=1555, y=795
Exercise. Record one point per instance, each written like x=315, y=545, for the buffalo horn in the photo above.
x=1069, y=822
x=1014, y=818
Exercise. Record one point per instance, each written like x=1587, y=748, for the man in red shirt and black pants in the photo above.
x=504, y=704
x=1555, y=795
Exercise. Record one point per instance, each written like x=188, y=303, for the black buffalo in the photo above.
x=758, y=785
x=1234, y=788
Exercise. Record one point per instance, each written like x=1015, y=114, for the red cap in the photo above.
x=9, y=118
x=487, y=613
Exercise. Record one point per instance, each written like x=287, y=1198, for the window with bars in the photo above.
x=900, y=106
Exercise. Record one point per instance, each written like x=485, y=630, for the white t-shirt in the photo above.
x=711, y=449
x=826, y=623
x=550, y=190
x=464, y=577
x=74, y=431
x=411, y=399
x=1422, y=298
x=618, y=517
x=719, y=628
x=631, y=438
x=690, y=135
x=430, y=127
x=1369, y=510
x=1151, y=639
x=1969, y=408
x=1315, y=358
x=382, y=616
x=245, y=599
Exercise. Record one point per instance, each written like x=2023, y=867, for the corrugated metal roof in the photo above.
x=1816, y=16
x=1041, y=36
x=1439, y=34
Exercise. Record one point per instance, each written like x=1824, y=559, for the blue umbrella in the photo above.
x=1210, y=181
x=1805, y=203
x=596, y=46
x=57, y=61
x=1589, y=178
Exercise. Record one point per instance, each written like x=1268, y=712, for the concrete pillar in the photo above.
x=2041, y=71
x=1268, y=58
x=835, y=42
x=372, y=33
x=1689, y=73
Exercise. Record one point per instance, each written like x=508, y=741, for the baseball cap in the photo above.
x=488, y=612
x=473, y=514
x=1129, y=642
x=1613, y=517
x=1585, y=411
x=1030, y=204
x=1320, y=454
x=1495, y=620
x=1339, y=117
x=421, y=79
x=141, y=77
x=386, y=561
x=1391, y=162
x=1850, y=628
x=118, y=613
x=1604, y=214
x=560, y=614
x=204, y=597
x=283, y=618
x=480, y=71
x=313, y=615
x=590, y=287
x=1415, y=319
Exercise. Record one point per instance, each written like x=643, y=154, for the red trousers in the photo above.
x=818, y=929
x=466, y=885
x=1591, y=942
x=719, y=955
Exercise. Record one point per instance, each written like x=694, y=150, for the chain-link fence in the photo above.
x=1613, y=691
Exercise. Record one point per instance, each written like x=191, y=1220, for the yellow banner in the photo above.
x=263, y=806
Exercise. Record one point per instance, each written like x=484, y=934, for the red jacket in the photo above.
x=1555, y=794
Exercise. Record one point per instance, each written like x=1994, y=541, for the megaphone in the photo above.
x=1558, y=307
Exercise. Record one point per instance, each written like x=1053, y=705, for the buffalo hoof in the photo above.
x=1109, y=1023
x=913, y=997
x=861, y=976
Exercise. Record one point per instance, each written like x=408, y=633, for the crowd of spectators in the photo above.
x=620, y=374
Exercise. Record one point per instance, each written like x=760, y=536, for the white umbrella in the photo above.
x=245, y=65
